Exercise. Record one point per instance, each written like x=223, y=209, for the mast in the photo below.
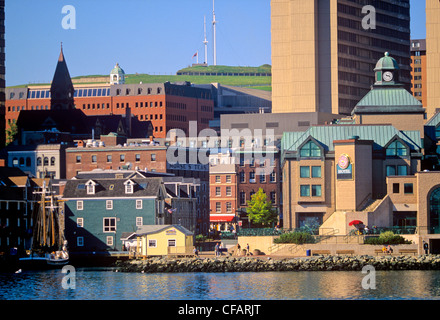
x=43, y=211
x=214, y=34
x=205, y=42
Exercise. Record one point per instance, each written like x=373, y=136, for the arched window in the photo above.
x=52, y=161
x=21, y=162
x=310, y=149
x=434, y=211
x=397, y=148
x=15, y=162
x=28, y=162
x=46, y=161
x=39, y=161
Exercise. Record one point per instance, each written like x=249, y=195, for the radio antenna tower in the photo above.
x=213, y=28
x=205, y=42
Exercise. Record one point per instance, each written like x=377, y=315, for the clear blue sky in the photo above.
x=144, y=36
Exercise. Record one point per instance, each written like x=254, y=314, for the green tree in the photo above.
x=11, y=132
x=260, y=210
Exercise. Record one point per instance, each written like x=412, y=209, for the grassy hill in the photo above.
x=256, y=82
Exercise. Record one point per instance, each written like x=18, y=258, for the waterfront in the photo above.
x=105, y=284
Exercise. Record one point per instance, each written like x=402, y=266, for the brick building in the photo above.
x=112, y=152
x=165, y=105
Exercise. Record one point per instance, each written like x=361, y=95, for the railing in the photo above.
x=255, y=232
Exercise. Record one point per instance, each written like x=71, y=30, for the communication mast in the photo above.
x=205, y=42
x=213, y=29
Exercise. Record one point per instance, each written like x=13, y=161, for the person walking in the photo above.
x=238, y=250
x=217, y=247
x=247, y=250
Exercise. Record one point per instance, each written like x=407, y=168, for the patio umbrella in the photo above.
x=355, y=222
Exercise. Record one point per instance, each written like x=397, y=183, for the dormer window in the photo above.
x=90, y=187
x=129, y=187
x=311, y=149
x=397, y=148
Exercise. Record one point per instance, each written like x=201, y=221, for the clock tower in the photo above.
x=387, y=71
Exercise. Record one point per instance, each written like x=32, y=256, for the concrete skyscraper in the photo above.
x=324, y=51
x=2, y=74
x=432, y=57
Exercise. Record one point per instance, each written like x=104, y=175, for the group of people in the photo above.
x=388, y=249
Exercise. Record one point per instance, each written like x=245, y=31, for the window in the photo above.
x=316, y=172
x=109, y=158
x=273, y=177
x=79, y=205
x=229, y=191
x=152, y=243
x=217, y=192
x=396, y=187
x=304, y=172
x=171, y=242
x=128, y=188
x=217, y=179
x=94, y=159
x=122, y=158
x=139, y=221
x=396, y=170
x=316, y=191
x=153, y=157
x=408, y=188
x=396, y=148
x=228, y=207
x=138, y=204
x=252, y=177
x=228, y=179
x=109, y=204
x=109, y=224
x=39, y=161
x=242, y=198
x=137, y=157
x=46, y=161
x=310, y=149
x=273, y=197
x=90, y=189
x=78, y=159
x=391, y=170
x=109, y=241
x=262, y=178
x=80, y=241
x=218, y=207
x=80, y=222
x=305, y=191
x=242, y=176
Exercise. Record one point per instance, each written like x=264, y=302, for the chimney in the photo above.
x=128, y=120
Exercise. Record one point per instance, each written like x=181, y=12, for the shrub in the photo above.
x=387, y=237
x=295, y=237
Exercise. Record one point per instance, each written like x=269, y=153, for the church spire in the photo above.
x=62, y=87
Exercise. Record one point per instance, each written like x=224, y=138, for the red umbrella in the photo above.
x=355, y=222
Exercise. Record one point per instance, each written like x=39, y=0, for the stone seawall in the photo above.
x=254, y=264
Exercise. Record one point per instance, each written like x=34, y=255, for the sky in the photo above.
x=143, y=36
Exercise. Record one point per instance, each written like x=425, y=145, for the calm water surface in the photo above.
x=93, y=284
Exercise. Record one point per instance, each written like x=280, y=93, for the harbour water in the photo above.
x=106, y=284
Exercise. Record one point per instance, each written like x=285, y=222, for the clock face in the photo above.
x=388, y=76
x=344, y=161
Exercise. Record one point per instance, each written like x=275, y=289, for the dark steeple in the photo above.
x=61, y=90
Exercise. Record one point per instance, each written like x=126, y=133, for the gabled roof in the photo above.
x=113, y=188
x=151, y=229
x=434, y=121
x=325, y=135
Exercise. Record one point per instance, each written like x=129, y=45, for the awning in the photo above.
x=221, y=217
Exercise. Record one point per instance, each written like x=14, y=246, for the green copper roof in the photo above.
x=325, y=135
x=388, y=96
x=434, y=121
x=117, y=70
x=387, y=62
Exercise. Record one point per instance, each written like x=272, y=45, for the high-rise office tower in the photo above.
x=432, y=57
x=418, y=66
x=324, y=51
x=2, y=74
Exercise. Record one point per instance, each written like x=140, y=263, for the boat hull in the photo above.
x=41, y=263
